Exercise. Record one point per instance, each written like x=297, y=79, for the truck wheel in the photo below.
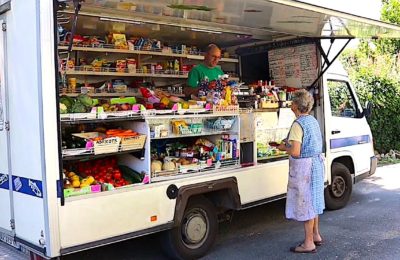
x=338, y=193
x=196, y=233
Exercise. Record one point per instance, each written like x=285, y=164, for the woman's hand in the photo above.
x=282, y=146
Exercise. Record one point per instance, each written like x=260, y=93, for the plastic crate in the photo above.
x=220, y=123
x=132, y=143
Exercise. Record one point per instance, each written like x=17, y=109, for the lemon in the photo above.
x=76, y=183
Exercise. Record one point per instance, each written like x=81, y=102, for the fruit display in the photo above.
x=103, y=173
x=268, y=150
x=81, y=104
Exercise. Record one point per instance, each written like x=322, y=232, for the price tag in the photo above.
x=107, y=145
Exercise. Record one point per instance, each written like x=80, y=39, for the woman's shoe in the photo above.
x=319, y=243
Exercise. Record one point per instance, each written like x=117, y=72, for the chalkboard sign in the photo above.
x=295, y=66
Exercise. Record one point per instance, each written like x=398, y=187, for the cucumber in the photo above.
x=130, y=175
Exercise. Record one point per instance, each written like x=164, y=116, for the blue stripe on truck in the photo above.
x=27, y=186
x=4, y=181
x=23, y=185
x=349, y=141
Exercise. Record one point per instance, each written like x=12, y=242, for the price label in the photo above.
x=107, y=145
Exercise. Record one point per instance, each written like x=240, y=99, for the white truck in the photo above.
x=37, y=216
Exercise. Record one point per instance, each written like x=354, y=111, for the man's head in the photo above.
x=212, y=56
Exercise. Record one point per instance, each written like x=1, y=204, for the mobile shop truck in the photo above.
x=41, y=215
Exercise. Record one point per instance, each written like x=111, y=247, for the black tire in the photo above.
x=338, y=193
x=200, y=216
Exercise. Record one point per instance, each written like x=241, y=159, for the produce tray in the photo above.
x=77, y=116
x=134, y=142
x=192, y=111
x=217, y=109
x=220, y=123
x=130, y=113
x=106, y=145
x=81, y=191
x=109, y=145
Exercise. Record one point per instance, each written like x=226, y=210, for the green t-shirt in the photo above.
x=200, y=72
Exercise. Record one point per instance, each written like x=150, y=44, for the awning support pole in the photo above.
x=329, y=63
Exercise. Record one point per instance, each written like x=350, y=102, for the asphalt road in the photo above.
x=368, y=228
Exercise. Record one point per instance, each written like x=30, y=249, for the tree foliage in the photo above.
x=374, y=68
x=390, y=13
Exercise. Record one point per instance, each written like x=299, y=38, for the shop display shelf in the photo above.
x=205, y=132
x=74, y=118
x=148, y=114
x=98, y=120
x=115, y=94
x=87, y=154
x=194, y=170
x=272, y=158
x=157, y=52
x=90, y=71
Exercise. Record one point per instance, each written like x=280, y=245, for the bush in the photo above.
x=384, y=94
x=376, y=79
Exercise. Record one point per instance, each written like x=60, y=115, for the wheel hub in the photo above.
x=195, y=228
x=338, y=186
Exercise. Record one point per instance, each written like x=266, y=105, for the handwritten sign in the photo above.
x=294, y=66
x=107, y=145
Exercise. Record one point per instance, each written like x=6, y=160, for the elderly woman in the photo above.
x=305, y=193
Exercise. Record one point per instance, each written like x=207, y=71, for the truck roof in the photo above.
x=249, y=20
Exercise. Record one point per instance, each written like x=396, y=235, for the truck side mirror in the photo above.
x=367, y=109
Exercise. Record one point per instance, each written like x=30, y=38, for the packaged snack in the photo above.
x=71, y=64
x=97, y=64
x=119, y=41
x=120, y=65
x=131, y=63
x=131, y=45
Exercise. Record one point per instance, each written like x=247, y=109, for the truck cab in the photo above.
x=349, y=144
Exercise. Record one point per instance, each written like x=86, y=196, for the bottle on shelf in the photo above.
x=271, y=82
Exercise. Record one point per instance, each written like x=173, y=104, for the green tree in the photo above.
x=375, y=71
x=390, y=13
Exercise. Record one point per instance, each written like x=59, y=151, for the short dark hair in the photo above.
x=211, y=47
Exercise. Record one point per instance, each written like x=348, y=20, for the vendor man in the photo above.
x=206, y=70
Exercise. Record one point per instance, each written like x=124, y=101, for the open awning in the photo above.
x=247, y=19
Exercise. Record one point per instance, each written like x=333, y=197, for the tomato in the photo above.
x=101, y=180
x=108, y=177
x=117, y=175
x=87, y=172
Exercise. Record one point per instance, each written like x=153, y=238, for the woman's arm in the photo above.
x=294, y=148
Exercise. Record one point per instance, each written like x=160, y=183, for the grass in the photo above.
x=388, y=161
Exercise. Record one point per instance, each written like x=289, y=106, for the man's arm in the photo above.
x=188, y=90
x=192, y=82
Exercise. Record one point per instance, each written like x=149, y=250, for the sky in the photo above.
x=366, y=8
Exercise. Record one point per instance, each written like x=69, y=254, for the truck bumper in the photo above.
x=372, y=170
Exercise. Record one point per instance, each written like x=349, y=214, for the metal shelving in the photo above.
x=156, y=52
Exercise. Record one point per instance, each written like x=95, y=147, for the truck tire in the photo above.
x=195, y=235
x=338, y=193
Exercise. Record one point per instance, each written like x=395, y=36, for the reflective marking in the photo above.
x=349, y=141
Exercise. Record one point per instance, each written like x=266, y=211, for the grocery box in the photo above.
x=123, y=100
x=106, y=145
x=77, y=191
x=231, y=109
x=95, y=188
x=133, y=142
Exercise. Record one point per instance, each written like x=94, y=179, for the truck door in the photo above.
x=348, y=129
x=5, y=168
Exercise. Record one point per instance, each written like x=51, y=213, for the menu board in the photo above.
x=294, y=66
